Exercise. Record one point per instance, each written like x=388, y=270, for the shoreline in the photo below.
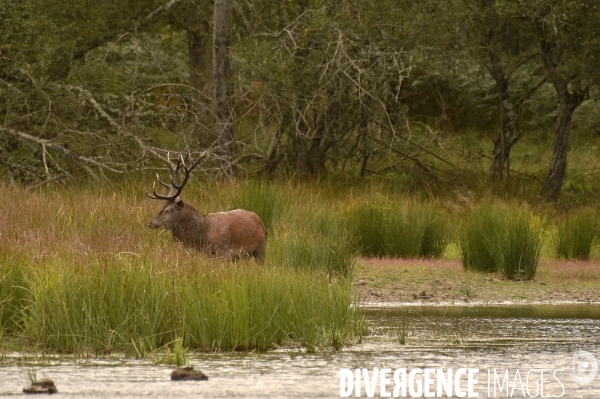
x=456, y=304
x=384, y=282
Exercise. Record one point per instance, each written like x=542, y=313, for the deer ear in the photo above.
x=179, y=203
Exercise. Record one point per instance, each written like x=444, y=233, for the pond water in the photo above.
x=522, y=340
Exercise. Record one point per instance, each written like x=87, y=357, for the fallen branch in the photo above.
x=45, y=144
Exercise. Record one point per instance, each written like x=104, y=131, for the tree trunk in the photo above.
x=300, y=139
x=299, y=105
x=554, y=181
x=505, y=140
x=317, y=153
x=225, y=146
x=198, y=39
x=568, y=101
x=510, y=132
x=363, y=130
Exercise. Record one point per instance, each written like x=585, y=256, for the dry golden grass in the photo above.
x=81, y=271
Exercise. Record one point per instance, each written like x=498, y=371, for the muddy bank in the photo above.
x=397, y=282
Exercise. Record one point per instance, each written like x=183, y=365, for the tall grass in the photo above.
x=13, y=295
x=407, y=230
x=370, y=232
x=496, y=238
x=475, y=235
x=80, y=271
x=136, y=308
x=317, y=240
x=576, y=234
x=264, y=200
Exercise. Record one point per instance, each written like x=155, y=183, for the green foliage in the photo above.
x=502, y=239
x=404, y=230
x=313, y=91
x=13, y=294
x=264, y=200
x=369, y=227
x=137, y=308
x=474, y=237
x=517, y=252
x=179, y=353
x=314, y=240
x=88, y=277
x=576, y=234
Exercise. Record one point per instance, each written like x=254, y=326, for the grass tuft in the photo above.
x=138, y=308
x=406, y=230
x=500, y=239
x=315, y=240
x=576, y=234
x=475, y=234
x=368, y=226
x=264, y=200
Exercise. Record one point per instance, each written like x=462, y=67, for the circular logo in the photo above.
x=585, y=367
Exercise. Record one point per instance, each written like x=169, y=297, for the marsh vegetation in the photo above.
x=81, y=273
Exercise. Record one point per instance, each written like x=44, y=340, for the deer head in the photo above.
x=170, y=214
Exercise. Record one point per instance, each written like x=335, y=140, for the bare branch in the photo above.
x=48, y=144
x=114, y=35
x=146, y=148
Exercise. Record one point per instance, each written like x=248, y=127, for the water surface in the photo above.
x=500, y=338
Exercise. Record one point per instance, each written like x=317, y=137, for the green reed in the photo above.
x=576, y=234
x=134, y=307
x=496, y=238
x=402, y=230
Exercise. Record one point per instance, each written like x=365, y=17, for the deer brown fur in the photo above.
x=229, y=235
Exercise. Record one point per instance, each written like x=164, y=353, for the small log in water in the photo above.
x=42, y=386
x=188, y=374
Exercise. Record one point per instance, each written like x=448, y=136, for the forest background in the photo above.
x=434, y=96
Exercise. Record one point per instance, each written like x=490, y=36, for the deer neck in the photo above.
x=191, y=229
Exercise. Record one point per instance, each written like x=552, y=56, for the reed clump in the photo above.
x=263, y=199
x=138, y=307
x=497, y=238
x=315, y=240
x=402, y=230
x=576, y=234
x=80, y=272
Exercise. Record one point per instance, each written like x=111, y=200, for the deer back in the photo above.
x=238, y=233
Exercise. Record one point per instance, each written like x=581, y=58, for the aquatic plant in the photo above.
x=179, y=353
x=139, y=307
x=401, y=333
x=12, y=294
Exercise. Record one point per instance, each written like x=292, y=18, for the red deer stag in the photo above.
x=227, y=235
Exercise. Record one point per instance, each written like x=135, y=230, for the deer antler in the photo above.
x=174, y=189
